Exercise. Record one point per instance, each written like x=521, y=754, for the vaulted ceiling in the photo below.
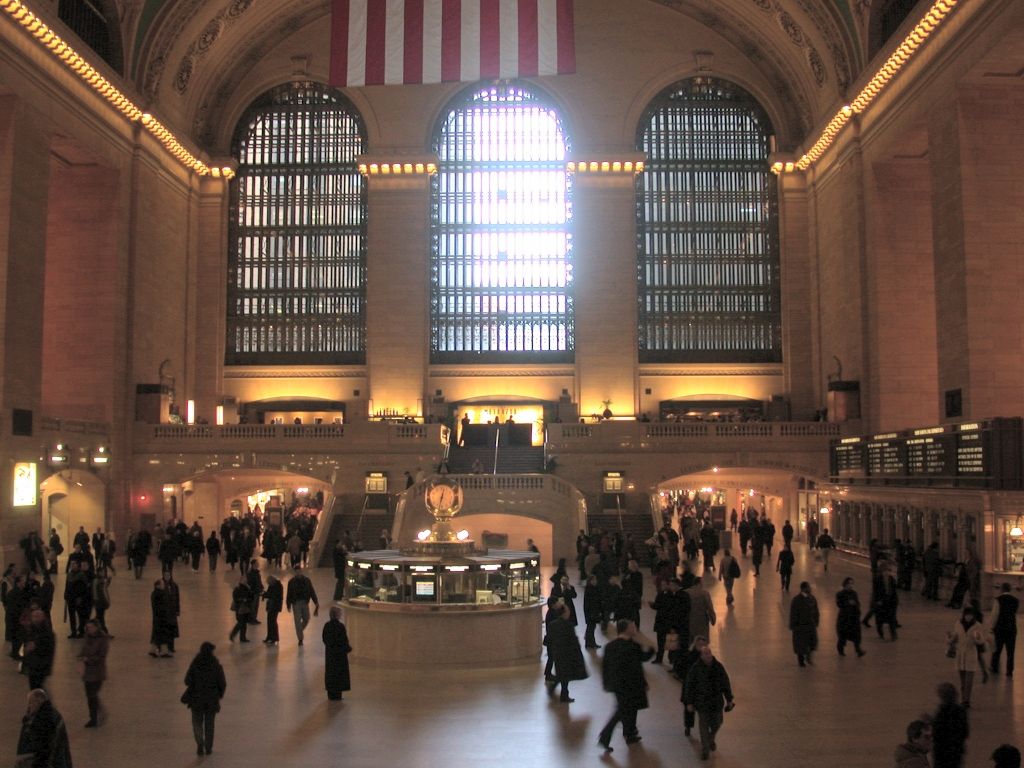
x=190, y=57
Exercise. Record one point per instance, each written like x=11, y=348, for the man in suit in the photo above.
x=623, y=675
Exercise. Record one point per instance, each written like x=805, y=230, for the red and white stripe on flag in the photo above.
x=384, y=42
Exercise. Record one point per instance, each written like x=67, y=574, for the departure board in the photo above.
x=984, y=454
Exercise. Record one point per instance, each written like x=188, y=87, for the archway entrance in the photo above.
x=72, y=499
x=719, y=490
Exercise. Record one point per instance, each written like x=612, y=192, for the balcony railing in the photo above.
x=639, y=435
x=161, y=437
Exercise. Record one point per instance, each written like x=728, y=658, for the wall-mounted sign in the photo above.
x=25, y=486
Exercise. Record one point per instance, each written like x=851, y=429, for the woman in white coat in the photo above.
x=968, y=635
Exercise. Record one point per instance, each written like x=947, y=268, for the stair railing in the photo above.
x=497, y=436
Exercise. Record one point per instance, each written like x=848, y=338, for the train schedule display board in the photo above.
x=981, y=454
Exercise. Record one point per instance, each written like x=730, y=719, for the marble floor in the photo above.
x=842, y=712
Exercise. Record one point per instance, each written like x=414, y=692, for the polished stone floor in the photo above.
x=842, y=712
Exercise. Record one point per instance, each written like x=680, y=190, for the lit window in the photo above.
x=297, y=262
x=707, y=228
x=501, y=272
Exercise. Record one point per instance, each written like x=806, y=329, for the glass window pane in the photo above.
x=297, y=232
x=502, y=249
x=707, y=228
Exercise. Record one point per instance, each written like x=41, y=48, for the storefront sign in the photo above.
x=25, y=485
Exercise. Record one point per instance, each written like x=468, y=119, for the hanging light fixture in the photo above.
x=1017, y=531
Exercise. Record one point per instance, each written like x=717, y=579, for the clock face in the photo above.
x=444, y=496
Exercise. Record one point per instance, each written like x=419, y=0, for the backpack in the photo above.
x=734, y=569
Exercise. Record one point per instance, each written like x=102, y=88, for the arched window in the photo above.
x=707, y=228
x=501, y=270
x=297, y=234
x=96, y=24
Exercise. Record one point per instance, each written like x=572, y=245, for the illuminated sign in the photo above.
x=25, y=485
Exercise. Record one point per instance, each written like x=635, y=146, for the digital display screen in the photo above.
x=424, y=588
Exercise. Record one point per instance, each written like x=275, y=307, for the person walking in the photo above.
x=242, y=599
x=684, y=659
x=93, y=667
x=1004, y=629
x=213, y=550
x=848, y=618
x=950, y=729
x=702, y=611
x=931, y=565
x=39, y=649
x=101, y=596
x=300, y=593
x=274, y=598
x=564, y=651
x=728, y=572
x=593, y=610
x=205, y=686
x=336, y=650
x=162, y=634
x=623, y=674
x=255, y=582
x=803, y=622
x=825, y=545
x=43, y=740
x=784, y=565
x=885, y=601
x=964, y=639
x=671, y=614
x=707, y=692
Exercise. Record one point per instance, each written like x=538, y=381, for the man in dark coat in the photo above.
x=885, y=600
x=40, y=646
x=707, y=692
x=623, y=675
x=274, y=596
x=43, y=733
x=671, y=613
x=744, y=531
x=803, y=622
x=932, y=566
x=592, y=610
x=336, y=651
x=564, y=651
x=848, y=618
x=1004, y=628
x=205, y=685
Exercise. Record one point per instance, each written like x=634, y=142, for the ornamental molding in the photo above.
x=463, y=373
x=293, y=373
x=711, y=372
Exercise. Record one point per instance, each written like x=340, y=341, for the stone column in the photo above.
x=24, y=191
x=398, y=291
x=604, y=264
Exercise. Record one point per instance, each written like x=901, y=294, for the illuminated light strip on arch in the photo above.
x=918, y=35
x=71, y=59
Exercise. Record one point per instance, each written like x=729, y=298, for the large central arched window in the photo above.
x=707, y=228
x=297, y=235
x=501, y=272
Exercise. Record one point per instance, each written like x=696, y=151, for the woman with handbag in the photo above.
x=967, y=643
x=204, y=688
x=241, y=604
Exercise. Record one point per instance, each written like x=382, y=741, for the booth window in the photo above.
x=297, y=232
x=501, y=268
x=707, y=228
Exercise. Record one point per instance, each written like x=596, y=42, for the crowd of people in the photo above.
x=28, y=600
x=683, y=557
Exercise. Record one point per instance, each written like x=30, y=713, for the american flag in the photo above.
x=384, y=42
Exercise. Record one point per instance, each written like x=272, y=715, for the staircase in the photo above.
x=363, y=523
x=512, y=459
x=640, y=525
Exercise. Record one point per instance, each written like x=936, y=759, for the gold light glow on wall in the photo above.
x=605, y=166
x=918, y=35
x=397, y=169
x=74, y=62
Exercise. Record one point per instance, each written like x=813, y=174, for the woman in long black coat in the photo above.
x=848, y=618
x=205, y=686
x=336, y=651
x=564, y=650
x=163, y=620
